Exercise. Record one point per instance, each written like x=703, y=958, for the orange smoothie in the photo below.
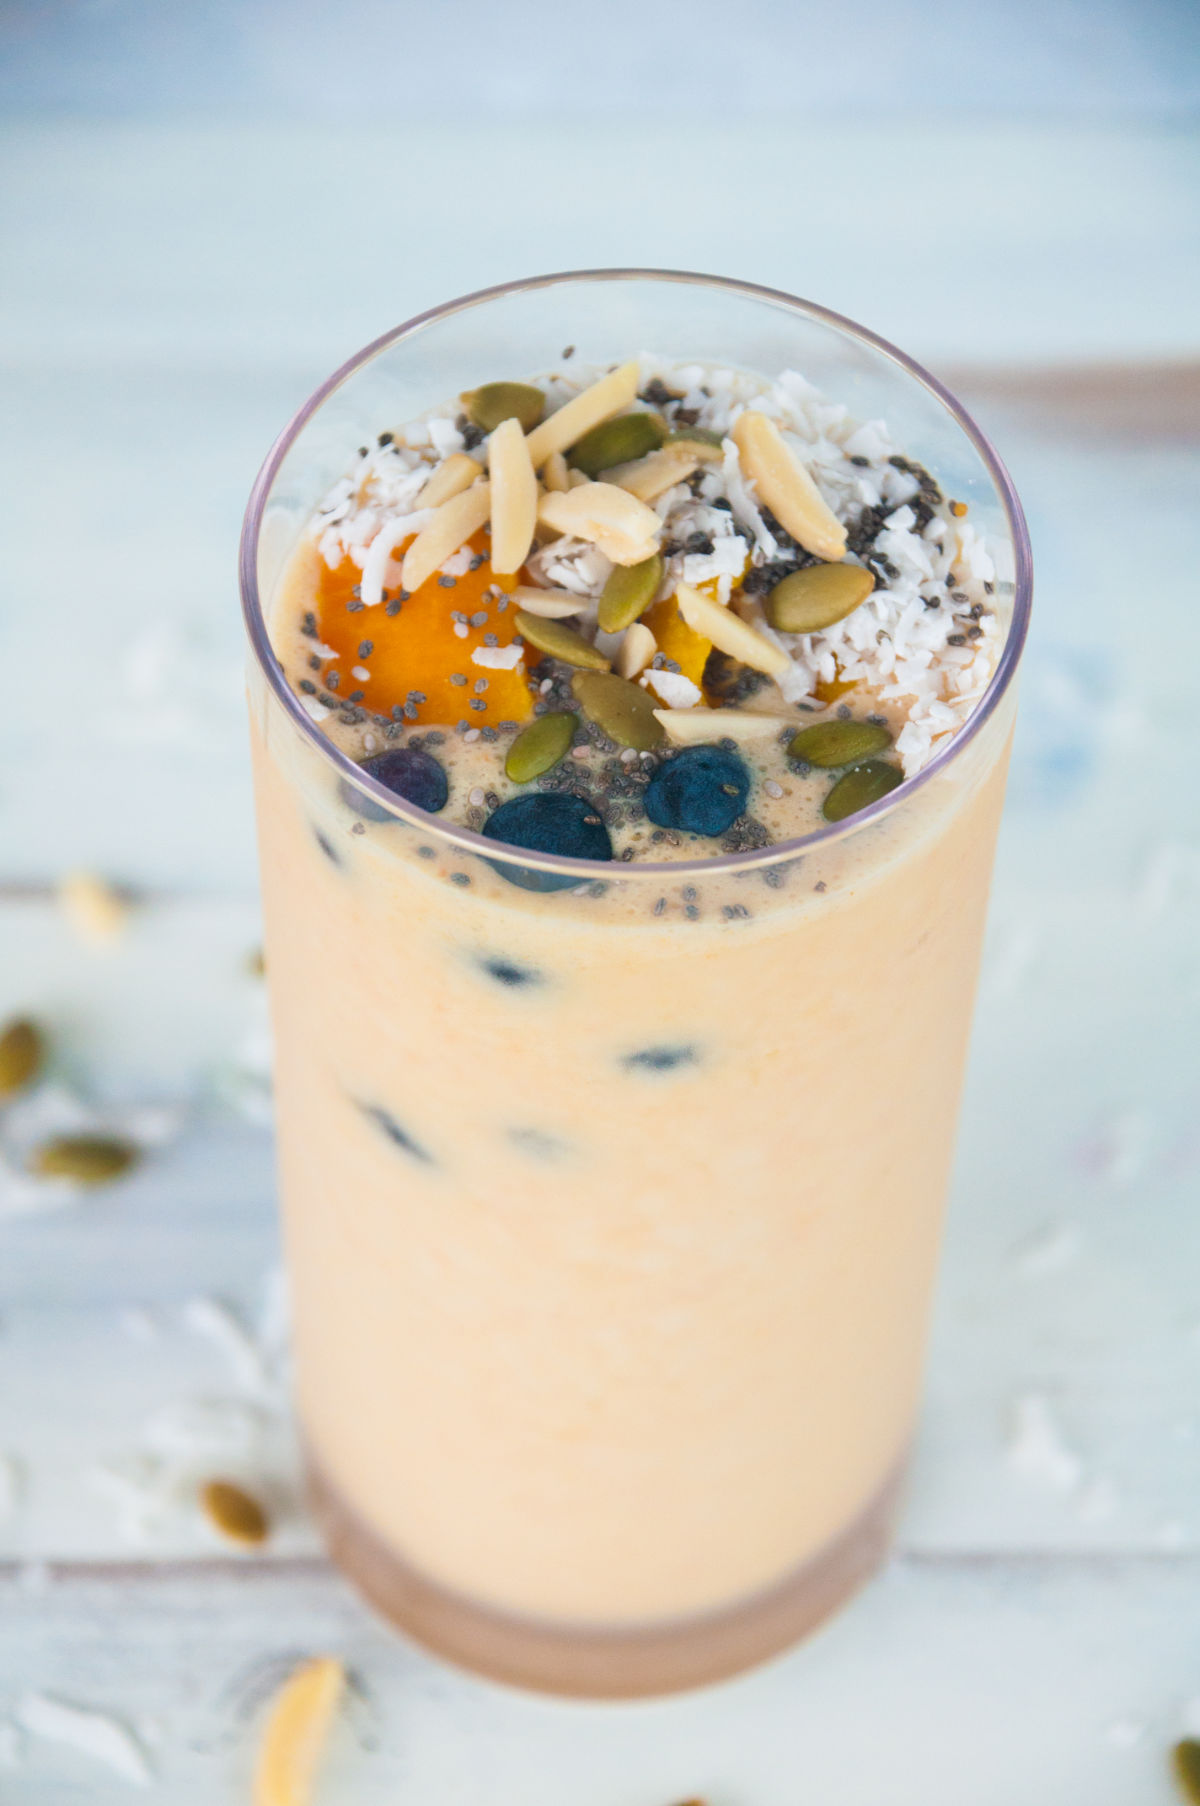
x=620, y=1026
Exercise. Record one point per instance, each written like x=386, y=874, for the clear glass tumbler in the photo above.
x=612, y=1197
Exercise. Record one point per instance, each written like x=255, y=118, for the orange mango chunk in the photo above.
x=418, y=649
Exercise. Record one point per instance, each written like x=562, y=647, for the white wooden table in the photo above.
x=1037, y=1639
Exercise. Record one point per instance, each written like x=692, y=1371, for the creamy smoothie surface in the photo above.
x=654, y=612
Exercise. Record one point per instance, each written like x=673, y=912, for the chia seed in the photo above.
x=310, y=689
x=477, y=702
x=365, y=648
x=447, y=582
x=394, y=606
x=480, y=685
x=479, y=618
x=459, y=878
x=459, y=678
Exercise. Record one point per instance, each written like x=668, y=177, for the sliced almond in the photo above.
x=624, y=528
x=551, y=604
x=636, y=650
x=653, y=475
x=577, y=478
x=452, y=476
x=584, y=411
x=555, y=474
x=687, y=726
x=514, y=498
x=95, y=909
x=295, y=1733
x=452, y=525
x=785, y=487
x=729, y=633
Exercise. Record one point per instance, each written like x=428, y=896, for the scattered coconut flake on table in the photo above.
x=220, y=1325
x=93, y=1733
x=1037, y=1448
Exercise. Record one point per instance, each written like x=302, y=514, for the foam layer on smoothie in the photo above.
x=446, y=670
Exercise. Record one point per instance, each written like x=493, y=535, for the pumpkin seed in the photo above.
x=88, y=1159
x=628, y=592
x=22, y=1051
x=859, y=787
x=623, y=710
x=1185, y=1760
x=235, y=1513
x=296, y=1731
x=616, y=441
x=817, y=596
x=695, y=435
x=832, y=743
x=540, y=746
x=488, y=406
x=560, y=642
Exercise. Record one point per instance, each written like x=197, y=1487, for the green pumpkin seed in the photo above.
x=859, y=787
x=539, y=747
x=628, y=593
x=559, y=641
x=1185, y=1760
x=616, y=441
x=494, y=402
x=818, y=596
x=623, y=710
x=22, y=1051
x=88, y=1159
x=235, y=1513
x=832, y=743
x=693, y=435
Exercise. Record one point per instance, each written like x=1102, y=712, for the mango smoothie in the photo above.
x=629, y=745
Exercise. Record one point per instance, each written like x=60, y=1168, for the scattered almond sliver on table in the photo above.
x=296, y=1732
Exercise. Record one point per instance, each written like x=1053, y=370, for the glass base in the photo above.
x=602, y=1663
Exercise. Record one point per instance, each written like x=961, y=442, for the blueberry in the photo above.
x=702, y=790
x=661, y=1059
x=409, y=771
x=508, y=972
x=399, y=1137
x=548, y=821
x=327, y=847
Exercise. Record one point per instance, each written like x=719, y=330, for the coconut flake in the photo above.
x=673, y=688
x=498, y=658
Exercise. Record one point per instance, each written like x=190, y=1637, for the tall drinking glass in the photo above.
x=612, y=1197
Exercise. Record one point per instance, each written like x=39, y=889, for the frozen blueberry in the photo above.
x=508, y=972
x=548, y=821
x=661, y=1059
x=408, y=770
x=702, y=790
x=399, y=1137
x=327, y=847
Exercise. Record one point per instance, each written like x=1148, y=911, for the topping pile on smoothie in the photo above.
x=663, y=611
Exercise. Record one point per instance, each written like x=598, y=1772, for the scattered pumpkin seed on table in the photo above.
x=22, y=1052
x=623, y=710
x=1185, y=1760
x=559, y=641
x=808, y=600
x=540, y=747
x=495, y=402
x=859, y=787
x=87, y=1159
x=628, y=592
x=616, y=441
x=236, y=1513
x=832, y=743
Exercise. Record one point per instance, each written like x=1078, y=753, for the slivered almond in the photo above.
x=584, y=411
x=452, y=476
x=649, y=477
x=514, y=498
x=295, y=1733
x=729, y=633
x=636, y=650
x=551, y=604
x=576, y=479
x=687, y=726
x=555, y=474
x=785, y=487
x=624, y=528
x=453, y=523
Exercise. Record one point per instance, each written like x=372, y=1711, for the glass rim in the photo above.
x=590, y=870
